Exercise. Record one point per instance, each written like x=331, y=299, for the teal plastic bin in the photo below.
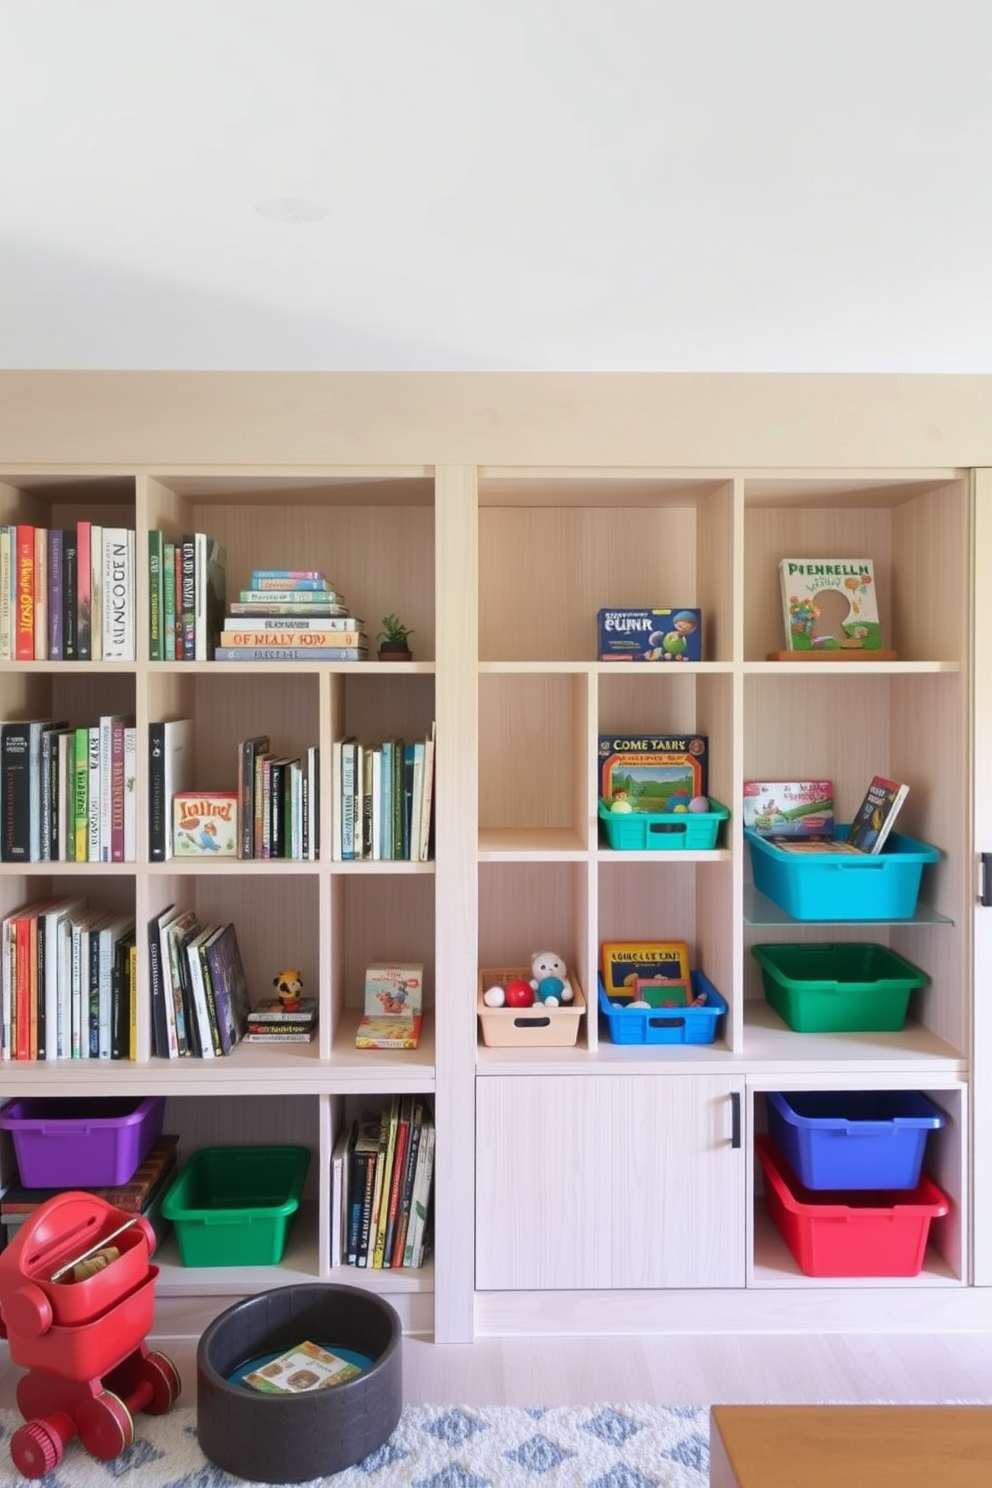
x=828, y=886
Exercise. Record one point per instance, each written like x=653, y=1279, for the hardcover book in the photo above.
x=876, y=815
x=388, y=1032
x=305, y=1367
x=830, y=604
x=394, y=987
x=230, y=990
x=648, y=770
x=170, y=769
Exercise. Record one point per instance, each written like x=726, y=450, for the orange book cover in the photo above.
x=24, y=590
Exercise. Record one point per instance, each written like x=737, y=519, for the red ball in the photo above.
x=519, y=994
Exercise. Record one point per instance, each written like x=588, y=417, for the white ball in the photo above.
x=494, y=997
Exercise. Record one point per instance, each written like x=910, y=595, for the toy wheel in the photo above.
x=35, y=1449
x=105, y=1426
x=163, y=1377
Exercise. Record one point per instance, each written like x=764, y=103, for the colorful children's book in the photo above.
x=205, y=824
x=649, y=770
x=649, y=635
x=394, y=987
x=830, y=604
x=305, y=1367
x=625, y=963
x=876, y=814
x=388, y=1032
x=789, y=808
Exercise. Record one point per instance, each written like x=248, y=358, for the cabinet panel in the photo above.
x=644, y=1189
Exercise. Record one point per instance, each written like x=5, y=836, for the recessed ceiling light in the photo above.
x=291, y=209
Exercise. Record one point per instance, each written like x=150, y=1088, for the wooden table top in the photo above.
x=884, y=1446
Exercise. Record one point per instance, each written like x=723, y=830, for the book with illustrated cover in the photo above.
x=625, y=963
x=789, y=808
x=876, y=815
x=830, y=604
x=230, y=989
x=388, y=1032
x=814, y=849
x=648, y=770
x=305, y=1367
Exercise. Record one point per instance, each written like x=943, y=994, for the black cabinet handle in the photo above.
x=735, y=1119
x=986, y=898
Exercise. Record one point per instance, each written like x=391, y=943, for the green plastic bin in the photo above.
x=234, y=1206
x=849, y=987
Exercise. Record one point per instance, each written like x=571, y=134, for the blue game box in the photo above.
x=650, y=635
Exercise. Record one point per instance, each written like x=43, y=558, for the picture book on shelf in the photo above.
x=789, y=808
x=647, y=770
x=393, y=1008
x=205, y=824
x=830, y=604
x=625, y=963
x=876, y=815
x=649, y=635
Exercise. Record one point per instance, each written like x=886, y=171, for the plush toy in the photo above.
x=289, y=985
x=550, y=978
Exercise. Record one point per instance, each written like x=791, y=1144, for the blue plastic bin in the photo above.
x=691, y=1025
x=828, y=886
x=853, y=1139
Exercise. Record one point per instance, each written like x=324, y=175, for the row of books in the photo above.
x=198, y=988
x=67, y=594
x=186, y=595
x=67, y=982
x=382, y=799
x=382, y=1172
x=278, y=801
x=291, y=615
x=67, y=795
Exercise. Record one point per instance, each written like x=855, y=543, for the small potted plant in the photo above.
x=392, y=640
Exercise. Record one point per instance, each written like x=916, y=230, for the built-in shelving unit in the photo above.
x=597, y=1185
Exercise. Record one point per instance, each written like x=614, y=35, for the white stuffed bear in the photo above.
x=550, y=978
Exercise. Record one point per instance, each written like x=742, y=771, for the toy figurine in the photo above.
x=289, y=985
x=550, y=978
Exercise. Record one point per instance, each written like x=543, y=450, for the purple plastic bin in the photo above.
x=81, y=1143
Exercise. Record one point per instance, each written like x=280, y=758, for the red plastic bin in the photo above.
x=856, y=1233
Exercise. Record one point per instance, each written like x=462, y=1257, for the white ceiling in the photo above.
x=656, y=185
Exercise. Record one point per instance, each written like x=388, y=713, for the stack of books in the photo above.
x=198, y=988
x=291, y=615
x=274, y=1022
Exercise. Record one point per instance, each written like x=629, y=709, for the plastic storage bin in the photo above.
x=838, y=988
x=81, y=1143
x=234, y=1206
x=530, y=1027
x=866, y=1232
x=690, y=1025
x=853, y=1138
x=828, y=886
x=662, y=831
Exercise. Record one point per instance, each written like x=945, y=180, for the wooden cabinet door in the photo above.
x=600, y=1182
x=678, y=1182
x=981, y=1110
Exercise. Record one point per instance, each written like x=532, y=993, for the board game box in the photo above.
x=650, y=635
x=205, y=824
x=648, y=770
x=830, y=604
x=629, y=965
x=790, y=808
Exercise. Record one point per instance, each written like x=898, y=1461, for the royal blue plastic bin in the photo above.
x=853, y=1139
x=838, y=887
x=82, y=1143
x=689, y=1025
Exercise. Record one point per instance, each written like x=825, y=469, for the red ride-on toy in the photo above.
x=77, y=1297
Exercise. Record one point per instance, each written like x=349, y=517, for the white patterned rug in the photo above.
x=591, y=1446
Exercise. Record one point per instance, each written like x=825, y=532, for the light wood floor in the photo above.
x=681, y=1370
